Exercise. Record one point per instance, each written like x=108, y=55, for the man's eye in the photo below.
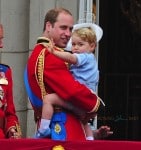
x=63, y=27
x=71, y=29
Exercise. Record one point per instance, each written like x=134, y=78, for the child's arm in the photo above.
x=66, y=56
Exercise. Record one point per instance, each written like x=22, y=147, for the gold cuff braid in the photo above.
x=18, y=129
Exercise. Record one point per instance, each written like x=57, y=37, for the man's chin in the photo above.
x=63, y=45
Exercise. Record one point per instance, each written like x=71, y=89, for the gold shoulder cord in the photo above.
x=40, y=70
x=40, y=67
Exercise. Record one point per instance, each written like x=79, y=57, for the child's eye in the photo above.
x=80, y=44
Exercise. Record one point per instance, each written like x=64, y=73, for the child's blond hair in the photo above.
x=86, y=33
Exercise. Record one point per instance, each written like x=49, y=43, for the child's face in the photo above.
x=81, y=46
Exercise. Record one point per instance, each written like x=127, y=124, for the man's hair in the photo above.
x=52, y=15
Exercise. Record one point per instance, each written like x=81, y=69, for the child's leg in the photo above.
x=48, y=102
x=47, y=112
x=88, y=132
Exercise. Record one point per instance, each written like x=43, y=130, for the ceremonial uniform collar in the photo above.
x=42, y=40
x=47, y=42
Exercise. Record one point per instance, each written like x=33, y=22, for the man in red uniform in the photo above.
x=9, y=125
x=46, y=73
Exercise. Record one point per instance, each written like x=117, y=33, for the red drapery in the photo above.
x=43, y=144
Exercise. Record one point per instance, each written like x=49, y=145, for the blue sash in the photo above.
x=35, y=101
x=58, y=131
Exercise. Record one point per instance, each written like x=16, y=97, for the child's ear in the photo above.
x=93, y=45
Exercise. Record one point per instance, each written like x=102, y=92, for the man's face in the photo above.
x=1, y=37
x=61, y=31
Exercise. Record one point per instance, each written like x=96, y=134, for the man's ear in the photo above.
x=48, y=26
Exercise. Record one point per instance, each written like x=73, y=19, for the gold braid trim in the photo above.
x=47, y=43
x=96, y=107
x=40, y=62
x=18, y=128
x=40, y=69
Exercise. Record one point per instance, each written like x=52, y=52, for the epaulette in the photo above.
x=4, y=67
x=47, y=42
x=42, y=40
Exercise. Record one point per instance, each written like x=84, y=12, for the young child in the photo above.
x=84, y=68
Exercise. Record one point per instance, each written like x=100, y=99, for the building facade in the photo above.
x=118, y=56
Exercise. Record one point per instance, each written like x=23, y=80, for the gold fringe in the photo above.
x=40, y=63
x=40, y=68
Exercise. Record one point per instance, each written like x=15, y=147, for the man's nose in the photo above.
x=68, y=32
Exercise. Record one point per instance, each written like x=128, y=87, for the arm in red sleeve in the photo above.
x=10, y=113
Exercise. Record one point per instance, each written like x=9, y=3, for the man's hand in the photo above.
x=13, y=134
x=102, y=132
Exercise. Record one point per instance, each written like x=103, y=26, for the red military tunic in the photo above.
x=57, y=79
x=8, y=116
